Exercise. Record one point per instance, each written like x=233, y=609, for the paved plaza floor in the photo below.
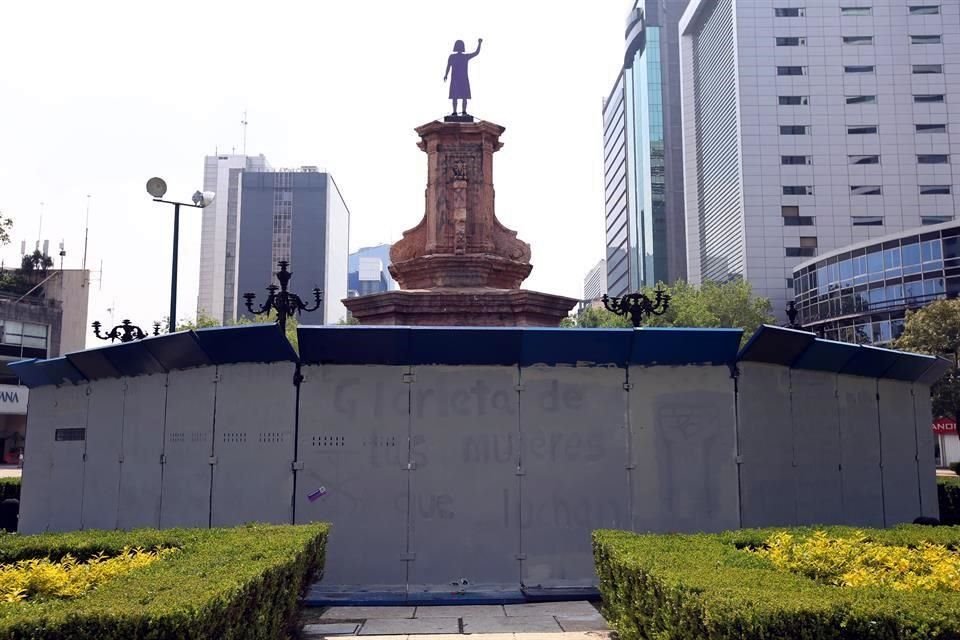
x=535, y=621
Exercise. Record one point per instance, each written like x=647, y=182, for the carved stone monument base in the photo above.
x=463, y=307
x=460, y=266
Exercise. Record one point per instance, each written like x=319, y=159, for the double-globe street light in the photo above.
x=156, y=187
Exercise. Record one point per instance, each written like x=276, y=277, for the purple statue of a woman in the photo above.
x=460, y=82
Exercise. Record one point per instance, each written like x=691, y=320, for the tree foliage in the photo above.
x=728, y=304
x=35, y=261
x=935, y=329
x=6, y=224
x=206, y=322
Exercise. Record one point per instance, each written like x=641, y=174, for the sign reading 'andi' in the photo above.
x=13, y=399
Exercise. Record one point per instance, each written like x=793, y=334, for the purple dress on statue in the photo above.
x=459, y=80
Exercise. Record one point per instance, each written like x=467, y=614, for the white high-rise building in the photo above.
x=595, y=282
x=813, y=124
x=219, y=239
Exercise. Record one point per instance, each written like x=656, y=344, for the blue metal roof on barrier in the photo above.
x=478, y=346
x=802, y=350
x=511, y=346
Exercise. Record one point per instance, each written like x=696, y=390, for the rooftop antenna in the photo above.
x=39, y=228
x=86, y=233
x=244, y=123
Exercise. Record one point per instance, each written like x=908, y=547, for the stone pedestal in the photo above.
x=460, y=265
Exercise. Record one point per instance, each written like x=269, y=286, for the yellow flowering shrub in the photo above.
x=68, y=578
x=856, y=561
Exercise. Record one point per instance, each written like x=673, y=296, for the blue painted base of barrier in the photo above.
x=330, y=596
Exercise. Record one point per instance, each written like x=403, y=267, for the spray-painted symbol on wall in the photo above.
x=316, y=495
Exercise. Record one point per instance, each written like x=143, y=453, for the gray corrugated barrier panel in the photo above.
x=464, y=489
x=36, y=491
x=682, y=419
x=817, y=458
x=898, y=443
x=101, y=469
x=767, y=486
x=65, y=498
x=144, y=406
x=860, y=451
x=187, y=448
x=354, y=444
x=926, y=465
x=574, y=468
x=254, y=438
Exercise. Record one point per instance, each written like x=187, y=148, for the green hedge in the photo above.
x=948, y=495
x=241, y=583
x=679, y=587
x=9, y=488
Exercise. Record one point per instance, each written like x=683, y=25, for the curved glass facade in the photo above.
x=862, y=295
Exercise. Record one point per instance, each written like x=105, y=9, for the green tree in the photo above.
x=728, y=304
x=35, y=261
x=935, y=329
x=6, y=224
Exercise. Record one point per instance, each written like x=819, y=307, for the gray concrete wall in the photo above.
x=493, y=474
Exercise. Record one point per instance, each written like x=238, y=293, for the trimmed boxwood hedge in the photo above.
x=9, y=488
x=948, y=495
x=673, y=587
x=241, y=583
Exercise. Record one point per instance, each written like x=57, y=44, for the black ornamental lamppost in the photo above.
x=637, y=305
x=283, y=302
x=156, y=188
x=792, y=312
x=124, y=332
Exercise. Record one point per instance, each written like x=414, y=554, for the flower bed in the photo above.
x=736, y=585
x=210, y=583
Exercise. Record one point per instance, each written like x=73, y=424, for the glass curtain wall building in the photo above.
x=861, y=293
x=643, y=164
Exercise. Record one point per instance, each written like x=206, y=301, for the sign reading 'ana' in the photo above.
x=13, y=399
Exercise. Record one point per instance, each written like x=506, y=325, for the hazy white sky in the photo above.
x=96, y=97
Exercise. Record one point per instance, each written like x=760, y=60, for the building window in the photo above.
x=24, y=334
x=857, y=39
x=935, y=219
x=855, y=11
x=792, y=100
x=861, y=99
x=934, y=189
x=867, y=159
x=865, y=190
x=861, y=130
x=858, y=68
x=793, y=129
x=791, y=42
x=800, y=252
x=933, y=158
x=789, y=283
x=867, y=221
x=792, y=71
x=927, y=68
x=789, y=12
x=795, y=160
x=798, y=221
x=793, y=190
x=928, y=97
x=925, y=10
x=931, y=128
x=924, y=39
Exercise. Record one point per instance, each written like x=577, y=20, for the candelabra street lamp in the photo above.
x=283, y=302
x=156, y=187
x=792, y=316
x=124, y=332
x=637, y=305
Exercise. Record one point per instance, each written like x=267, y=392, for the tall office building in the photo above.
x=217, y=294
x=595, y=282
x=299, y=216
x=361, y=277
x=643, y=154
x=810, y=125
